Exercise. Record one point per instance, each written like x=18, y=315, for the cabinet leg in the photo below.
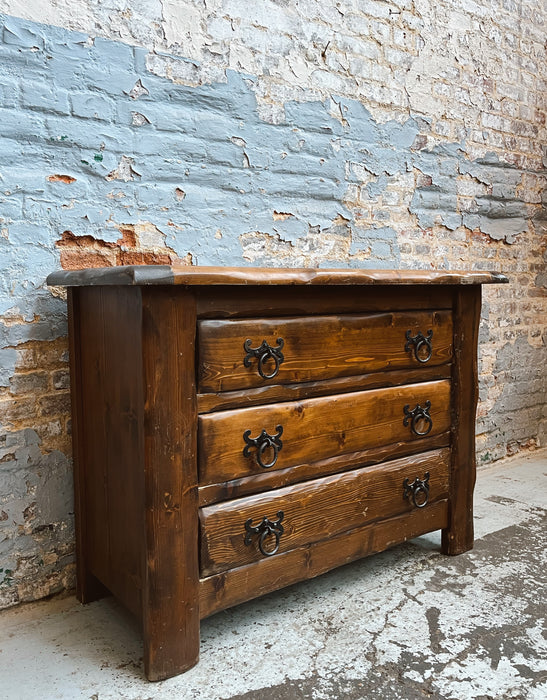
x=89, y=588
x=454, y=541
x=170, y=649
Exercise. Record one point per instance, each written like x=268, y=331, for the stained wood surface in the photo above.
x=110, y=422
x=316, y=510
x=315, y=429
x=305, y=390
x=458, y=537
x=88, y=586
x=317, y=347
x=241, y=301
x=188, y=275
x=229, y=588
x=171, y=604
x=268, y=480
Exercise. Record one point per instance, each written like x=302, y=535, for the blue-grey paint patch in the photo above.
x=67, y=107
x=501, y=214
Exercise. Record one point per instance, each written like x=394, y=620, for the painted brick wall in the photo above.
x=365, y=134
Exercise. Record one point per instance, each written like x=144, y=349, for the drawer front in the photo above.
x=246, y=530
x=241, y=354
x=234, y=444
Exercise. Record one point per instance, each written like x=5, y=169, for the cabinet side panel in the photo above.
x=88, y=587
x=458, y=536
x=111, y=400
x=171, y=601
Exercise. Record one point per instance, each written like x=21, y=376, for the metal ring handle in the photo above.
x=420, y=341
x=262, y=443
x=267, y=533
x=417, y=414
x=264, y=353
x=418, y=486
x=265, y=528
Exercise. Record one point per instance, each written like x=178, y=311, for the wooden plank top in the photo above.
x=202, y=276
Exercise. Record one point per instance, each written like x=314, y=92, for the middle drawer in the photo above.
x=247, y=441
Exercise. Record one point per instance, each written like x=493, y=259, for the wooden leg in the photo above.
x=458, y=536
x=171, y=578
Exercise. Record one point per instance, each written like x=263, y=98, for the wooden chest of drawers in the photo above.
x=238, y=430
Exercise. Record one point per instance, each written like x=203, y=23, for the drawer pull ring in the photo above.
x=422, y=345
x=418, y=490
x=262, y=443
x=416, y=415
x=265, y=529
x=264, y=353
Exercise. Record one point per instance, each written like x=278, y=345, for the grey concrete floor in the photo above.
x=407, y=623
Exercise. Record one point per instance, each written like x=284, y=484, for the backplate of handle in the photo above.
x=417, y=417
x=264, y=444
x=421, y=344
x=265, y=529
x=266, y=354
x=417, y=491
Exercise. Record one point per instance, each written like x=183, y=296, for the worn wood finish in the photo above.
x=235, y=586
x=458, y=536
x=307, y=390
x=316, y=348
x=315, y=429
x=171, y=603
x=213, y=276
x=268, y=480
x=88, y=586
x=110, y=377
x=316, y=510
x=136, y=450
x=260, y=302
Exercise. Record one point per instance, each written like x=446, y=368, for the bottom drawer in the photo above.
x=246, y=530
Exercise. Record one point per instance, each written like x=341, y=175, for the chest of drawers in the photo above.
x=237, y=430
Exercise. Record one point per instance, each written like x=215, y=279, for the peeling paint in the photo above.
x=313, y=143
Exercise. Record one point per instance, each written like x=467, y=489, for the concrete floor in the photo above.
x=404, y=624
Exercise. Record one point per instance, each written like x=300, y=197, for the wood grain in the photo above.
x=458, y=536
x=188, y=275
x=306, y=390
x=227, y=301
x=317, y=347
x=316, y=510
x=171, y=604
x=88, y=586
x=232, y=587
x=268, y=480
x=315, y=429
x=110, y=390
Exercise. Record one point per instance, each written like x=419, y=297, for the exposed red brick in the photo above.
x=78, y=260
x=144, y=258
x=67, y=179
x=68, y=239
x=128, y=238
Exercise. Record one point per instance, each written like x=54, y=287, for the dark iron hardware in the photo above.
x=264, y=353
x=262, y=443
x=265, y=529
x=418, y=490
x=416, y=415
x=422, y=345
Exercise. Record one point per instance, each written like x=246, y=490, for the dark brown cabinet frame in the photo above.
x=132, y=335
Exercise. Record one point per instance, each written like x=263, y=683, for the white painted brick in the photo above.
x=380, y=31
x=357, y=24
x=376, y=9
x=398, y=58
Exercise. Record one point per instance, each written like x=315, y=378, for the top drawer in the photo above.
x=248, y=353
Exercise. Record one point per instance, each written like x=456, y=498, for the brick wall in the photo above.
x=402, y=134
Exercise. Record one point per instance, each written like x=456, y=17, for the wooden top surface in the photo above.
x=197, y=276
